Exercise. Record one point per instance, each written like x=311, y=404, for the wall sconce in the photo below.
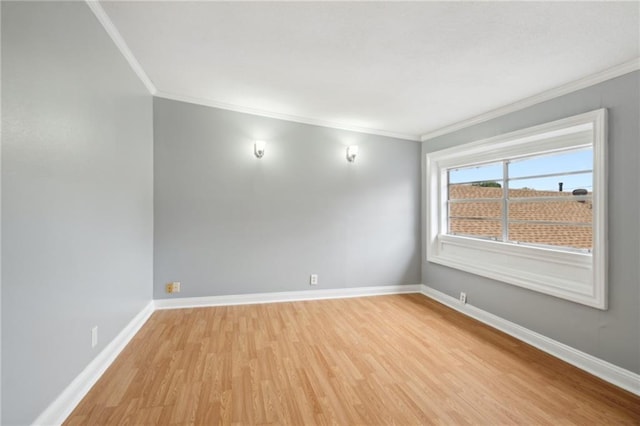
x=352, y=151
x=258, y=148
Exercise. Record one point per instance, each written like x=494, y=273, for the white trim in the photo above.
x=286, y=117
x=113, y=32
x=286, y=296
x=608, y=372
x=616, y=71
x=57, y=412
x=573, y=276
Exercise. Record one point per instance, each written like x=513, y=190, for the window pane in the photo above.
x=550, y=186
x=476, y=227
x=476, y=174
x=571, y=161
x=476, y=218
x=552, y=211
x=579, y=237
x=488, y=190
x=476, y=210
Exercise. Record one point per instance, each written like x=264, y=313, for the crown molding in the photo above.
x=286, y=117
x=113, y=32
x=103, y=18
x=617, y=71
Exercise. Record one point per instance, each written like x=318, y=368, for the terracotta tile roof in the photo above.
x=471, y=218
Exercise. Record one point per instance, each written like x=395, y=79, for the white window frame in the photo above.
x=567, y=274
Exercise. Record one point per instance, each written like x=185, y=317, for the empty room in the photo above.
x=352, y=213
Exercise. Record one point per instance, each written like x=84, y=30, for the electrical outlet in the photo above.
x=94, y=336
x=173, y=287
x=314, y=279
x=463, y=297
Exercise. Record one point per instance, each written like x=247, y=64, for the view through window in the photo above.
x=543, y=200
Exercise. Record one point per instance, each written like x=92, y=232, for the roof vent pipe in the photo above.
x=579, y=192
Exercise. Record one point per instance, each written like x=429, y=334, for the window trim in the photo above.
x=575, y=276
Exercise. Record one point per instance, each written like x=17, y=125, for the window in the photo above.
x=537, y=200
x=526, y=208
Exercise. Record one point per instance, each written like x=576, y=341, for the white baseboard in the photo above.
x=286, y=296
x=611, y=373
x=60, y=409
x=57, y=412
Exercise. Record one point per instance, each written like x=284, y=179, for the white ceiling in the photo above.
x=406, y=68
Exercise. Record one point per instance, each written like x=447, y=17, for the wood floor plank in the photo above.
x=401, y=359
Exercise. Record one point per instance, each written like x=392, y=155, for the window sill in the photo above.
x=555, y=272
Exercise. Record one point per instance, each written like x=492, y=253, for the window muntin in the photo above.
x=482, y=219
x=476, y=173
x=467, y=191
x=574, y=236
x=534, y=203
x=567, y=212
x=550, y=184
x=572, y=161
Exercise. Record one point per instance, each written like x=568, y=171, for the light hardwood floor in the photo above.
x=401, y=359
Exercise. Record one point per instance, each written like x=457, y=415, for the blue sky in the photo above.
x=541, y=165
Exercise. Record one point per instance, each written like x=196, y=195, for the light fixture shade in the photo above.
x=352, y=152
x=258, y=148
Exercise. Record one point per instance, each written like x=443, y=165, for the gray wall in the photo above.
x=612, y=335
x=227, y=222
x=0, y=222
x=77, y=202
